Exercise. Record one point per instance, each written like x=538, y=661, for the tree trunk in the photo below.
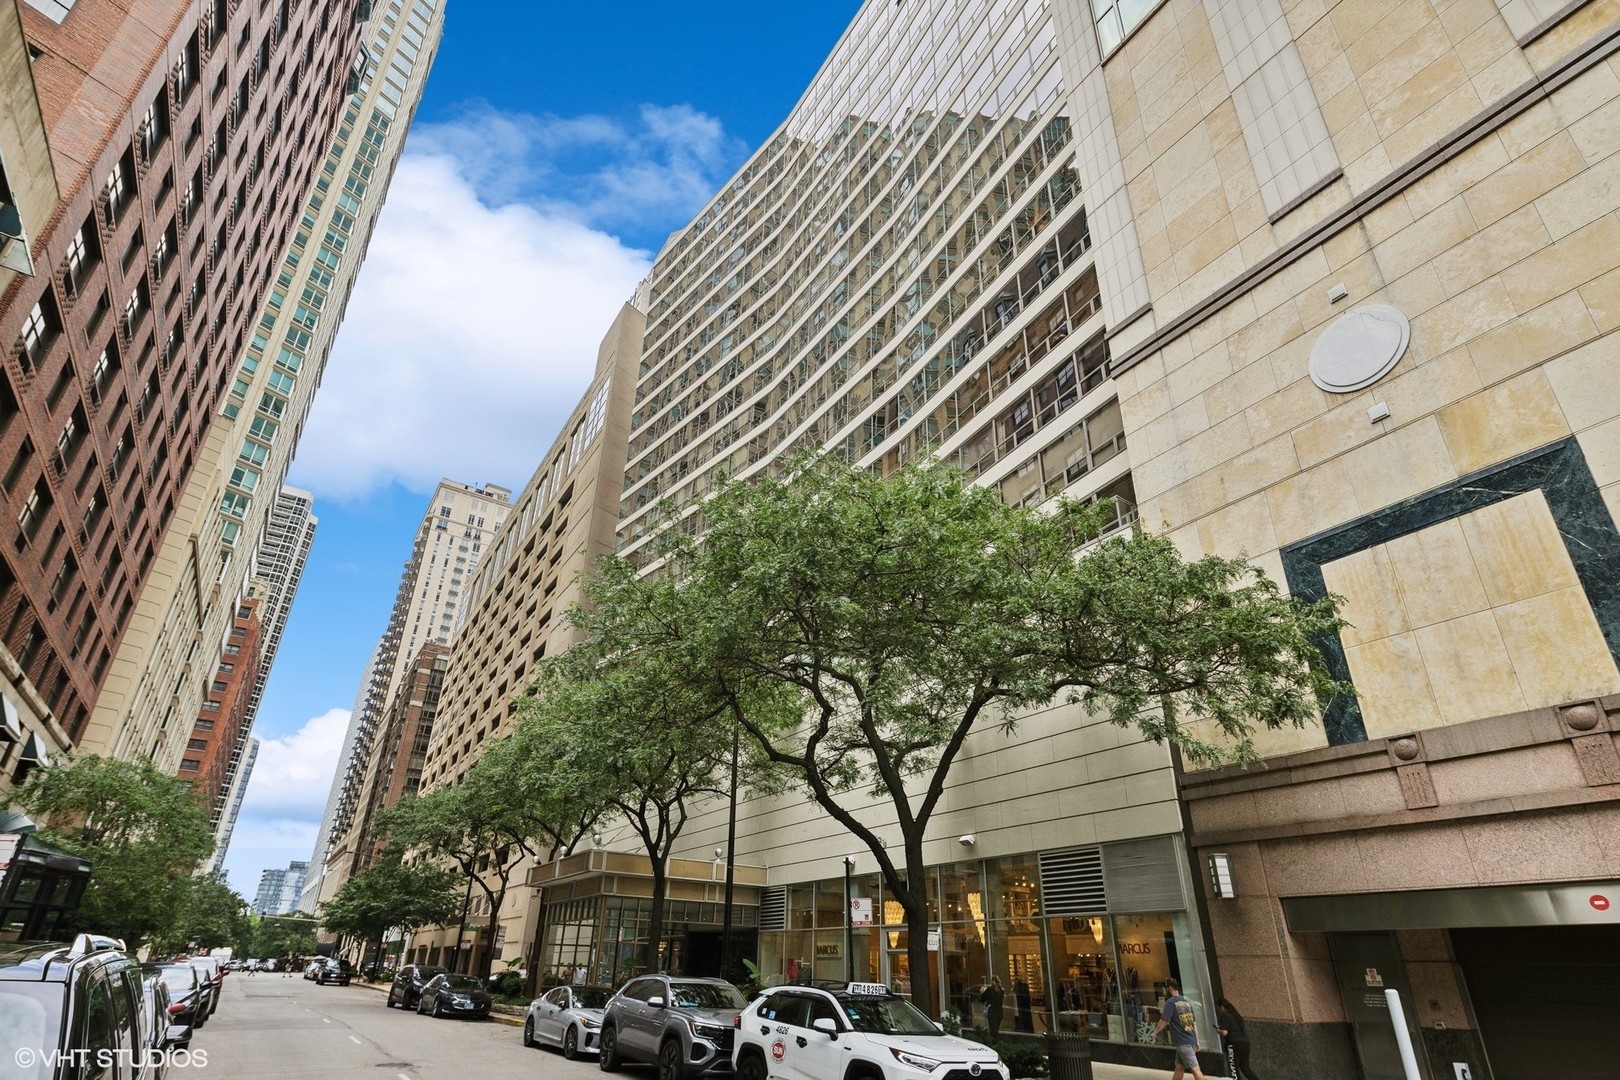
x=915, y=903
x=379, y=961
x=655, y=922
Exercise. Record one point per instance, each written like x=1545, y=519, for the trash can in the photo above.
x=1068, y=1057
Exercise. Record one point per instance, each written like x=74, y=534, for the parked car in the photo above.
x=213, y=971
x=454, y=995
x=861, y=1030
x=312, y=969
x=334, y=970
x=684, y=1026
x=406, y=989
x=157, y=1022
x=186, y=992
x=569, y=1017
x=78, y=999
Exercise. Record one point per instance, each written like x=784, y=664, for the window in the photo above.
x=38, y=331
x=1117, y=18
x=234, y=503
x=196, y=744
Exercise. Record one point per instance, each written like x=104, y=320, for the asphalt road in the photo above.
x=270, y=1026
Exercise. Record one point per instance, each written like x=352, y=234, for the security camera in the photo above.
x=966, y=840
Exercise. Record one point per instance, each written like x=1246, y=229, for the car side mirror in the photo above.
x=827, y=1024
x=939, y=1025
x=656, y=1002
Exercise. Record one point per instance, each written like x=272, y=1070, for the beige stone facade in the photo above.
x=27, y=175
x=517, y=603
x=1462, y=504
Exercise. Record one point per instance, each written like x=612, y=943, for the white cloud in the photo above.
x=286, y=796
x=489, y=283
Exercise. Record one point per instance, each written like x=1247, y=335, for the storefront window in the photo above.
x=1014, y=888
x=801, y=907
x=829, y=904
x=1153, y=949
x=1085, y=978
x=1017, y=961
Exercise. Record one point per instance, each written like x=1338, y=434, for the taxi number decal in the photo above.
x=778, y=1049
x=877, y=989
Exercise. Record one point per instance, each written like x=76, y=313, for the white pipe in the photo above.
x=1403, y=1038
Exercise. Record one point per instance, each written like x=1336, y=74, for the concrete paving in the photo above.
x=270, y=1026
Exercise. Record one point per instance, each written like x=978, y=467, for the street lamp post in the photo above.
x=849, y=920
x=731, y=864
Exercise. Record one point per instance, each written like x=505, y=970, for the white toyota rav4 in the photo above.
x=860, y=1032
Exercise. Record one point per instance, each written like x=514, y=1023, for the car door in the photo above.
x=783, y=1021
x=548, y=1016
x=816, y=1054
x=634, y=1025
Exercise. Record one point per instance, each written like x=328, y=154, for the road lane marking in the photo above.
x=326, y=1019
x=402, y=1076
x=354, y=1040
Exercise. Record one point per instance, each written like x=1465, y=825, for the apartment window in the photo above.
x=226, y=669
x=35, y=507
x=187, y=765
x=39, y=330
x=234, y=503
x=207, y=725
x=197, y=744
x=1117, y=18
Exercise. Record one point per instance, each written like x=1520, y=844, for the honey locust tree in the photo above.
x=861, y=628
x=391, y=893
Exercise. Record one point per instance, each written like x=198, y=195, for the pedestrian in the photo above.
x=994, y=995
x=580, y=975
x=1176, y=1015
x=1229, y=1022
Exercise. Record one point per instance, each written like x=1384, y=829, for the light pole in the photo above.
x=849, y=920
x=731, y=864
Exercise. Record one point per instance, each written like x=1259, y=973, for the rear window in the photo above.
x=30, y=1019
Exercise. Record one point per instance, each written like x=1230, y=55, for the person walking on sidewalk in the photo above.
x=1176, y=1015
x=1229, y=1022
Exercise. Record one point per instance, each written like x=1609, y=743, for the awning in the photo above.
x=1582, y=903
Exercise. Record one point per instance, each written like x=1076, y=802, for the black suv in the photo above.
x=407, y=986
x=684, y=1026
x=334, y=970
x=84, y=1002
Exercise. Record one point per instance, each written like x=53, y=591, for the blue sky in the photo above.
x=554, y=151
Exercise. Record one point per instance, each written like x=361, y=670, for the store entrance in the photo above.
x=1541, y=995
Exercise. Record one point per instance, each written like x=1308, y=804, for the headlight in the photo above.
x=589, y=1024
x=916, y=1061
x=711, y=1032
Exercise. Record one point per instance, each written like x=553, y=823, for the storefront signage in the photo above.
x=1136, y=948
x=933, y=941
x=860, y=911
x=829, y=949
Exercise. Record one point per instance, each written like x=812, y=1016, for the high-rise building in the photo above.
x=219, y=727
x=278, y=568
x=310, y=900
x=401, y=744
x=230, y=505
x=279, y=889
x=239, y=783
x=517, y=602
x=461, y=525
x=182, y=137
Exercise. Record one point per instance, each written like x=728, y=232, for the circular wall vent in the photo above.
x=1359, y=348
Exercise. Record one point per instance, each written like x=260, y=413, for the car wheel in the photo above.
x=421, y=1006
x=751, y=1067
x=438, y=1009
x=607, y=1058
x=669, y=1060
x=528, y=1032
x=571, y=1043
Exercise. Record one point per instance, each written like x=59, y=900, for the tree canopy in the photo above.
x=392, y=893
x=859, y=629
x=143, y=833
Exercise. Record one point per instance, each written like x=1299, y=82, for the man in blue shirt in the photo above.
x=1176, y=1014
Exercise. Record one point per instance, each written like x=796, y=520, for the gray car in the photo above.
x=684, y=1026
x=569, y=1017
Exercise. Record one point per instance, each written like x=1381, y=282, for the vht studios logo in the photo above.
x=104, y=1058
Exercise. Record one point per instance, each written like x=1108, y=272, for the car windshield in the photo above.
x=691, y=995
x=30, y=1020
x=178, y=978
x=886, y=1016
x=591, y=997
x=462, y=982
x=426, y=973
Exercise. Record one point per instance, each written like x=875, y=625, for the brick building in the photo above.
x=183, y=136
x=220, y=722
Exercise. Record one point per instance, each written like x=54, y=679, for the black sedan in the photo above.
x=406, y=990
x=334, y=970
x=186, y=992
x=454, y=995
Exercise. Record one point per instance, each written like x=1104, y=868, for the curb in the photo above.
x=508, y=1021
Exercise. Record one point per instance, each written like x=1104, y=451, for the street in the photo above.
x=269, y=1026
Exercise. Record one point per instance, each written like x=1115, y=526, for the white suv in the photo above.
x=861, y=1032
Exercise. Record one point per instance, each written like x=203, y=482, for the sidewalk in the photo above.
x=1103, y=1071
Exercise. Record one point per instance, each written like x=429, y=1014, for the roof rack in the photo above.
x=85, y=944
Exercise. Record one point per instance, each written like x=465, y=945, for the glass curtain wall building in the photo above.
x=906, y=269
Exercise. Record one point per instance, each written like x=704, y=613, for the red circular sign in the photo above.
x=778, y=1049
x=1600, y=901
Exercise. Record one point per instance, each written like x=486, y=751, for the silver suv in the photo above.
x=684, y=1026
